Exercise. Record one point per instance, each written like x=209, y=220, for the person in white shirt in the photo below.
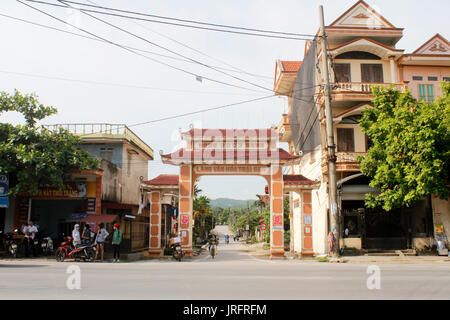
x=76, y=236
x=102, y=234
x=30, y=233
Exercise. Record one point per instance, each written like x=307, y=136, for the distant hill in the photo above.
x=233, y=203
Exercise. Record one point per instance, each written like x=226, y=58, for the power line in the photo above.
x=134, y=52
x=106, y=41
x=171, y=51
x=189, y=21
x=117, y=84
x=186, y=114
x=137, y=49
x=176, y=24
x=101, y=40
x=235, y=69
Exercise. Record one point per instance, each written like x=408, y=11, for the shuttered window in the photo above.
x=345, y=140
x=342, y=72
x=372, y=73
x=426, y=92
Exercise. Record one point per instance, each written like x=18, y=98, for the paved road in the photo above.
x=234, y=274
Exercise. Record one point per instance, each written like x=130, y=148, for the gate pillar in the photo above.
x=185, y=208
x=155, y=224
x=276, y=213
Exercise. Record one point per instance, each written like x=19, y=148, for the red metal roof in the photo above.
x=98, y=218
x=164, y=179
x=297, y=179
x=291, y=66
x=199, y=155
x=231, y=132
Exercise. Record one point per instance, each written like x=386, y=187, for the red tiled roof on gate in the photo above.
x=164, y=179
x=297, y=179
x=230, y=132
x=213, y=155
x=291, y=66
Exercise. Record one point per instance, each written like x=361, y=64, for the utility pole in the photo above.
x=331, y=147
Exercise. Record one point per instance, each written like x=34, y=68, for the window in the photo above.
x=432, y=78
x=418, y=78
x=446, y=79
x=372, y=73
x=342, y=72
x=346, y=140
x=426, y=92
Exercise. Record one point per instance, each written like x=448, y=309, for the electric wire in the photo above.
x=134, y=52
x=117, y=84
x=176, y=24
x=169, y=50
x=185, y=20
x=137, y=49
x=235, y=69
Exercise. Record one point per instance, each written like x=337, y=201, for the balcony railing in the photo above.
x=363, y=87
x=344, y=160
x=348, y=157
x=102, y=130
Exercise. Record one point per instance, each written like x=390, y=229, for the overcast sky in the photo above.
x=29, y=49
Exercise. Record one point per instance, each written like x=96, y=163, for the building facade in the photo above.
x=110, y=194
x=363, y=52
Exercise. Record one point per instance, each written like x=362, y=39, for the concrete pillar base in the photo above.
x=188, y=252
x=277, y=254
x=155, y=253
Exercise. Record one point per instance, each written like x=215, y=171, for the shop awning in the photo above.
x=105, y=218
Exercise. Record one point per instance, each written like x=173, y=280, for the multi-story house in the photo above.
x=362, y=48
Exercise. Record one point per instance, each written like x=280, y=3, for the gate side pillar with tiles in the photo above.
x=276, y=213
x=186, y=190
x=155, y=224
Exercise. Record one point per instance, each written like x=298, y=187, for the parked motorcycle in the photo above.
x=47, y=246
x=84, y=252
x=177, y=252
x=11, y=242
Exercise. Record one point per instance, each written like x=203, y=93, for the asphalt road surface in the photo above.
x=233, y=274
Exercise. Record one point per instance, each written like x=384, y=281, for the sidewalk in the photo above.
x=257, y=250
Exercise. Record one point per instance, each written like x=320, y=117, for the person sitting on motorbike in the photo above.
x=76, y=236
x=86, y=235
x=212, y=240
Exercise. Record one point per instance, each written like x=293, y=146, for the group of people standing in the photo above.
x=86, y=236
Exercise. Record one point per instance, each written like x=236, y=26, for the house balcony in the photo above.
x=358, y=91
x=345, y=161
x=284, y=129
x=103, y=132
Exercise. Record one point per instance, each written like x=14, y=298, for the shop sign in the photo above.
x=71, y=190
x=4, y=189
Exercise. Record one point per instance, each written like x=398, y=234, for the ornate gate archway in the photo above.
x=221, y=152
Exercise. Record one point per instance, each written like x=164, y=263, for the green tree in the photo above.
x=203, y=217
x=32, y=156
x=409, y=158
